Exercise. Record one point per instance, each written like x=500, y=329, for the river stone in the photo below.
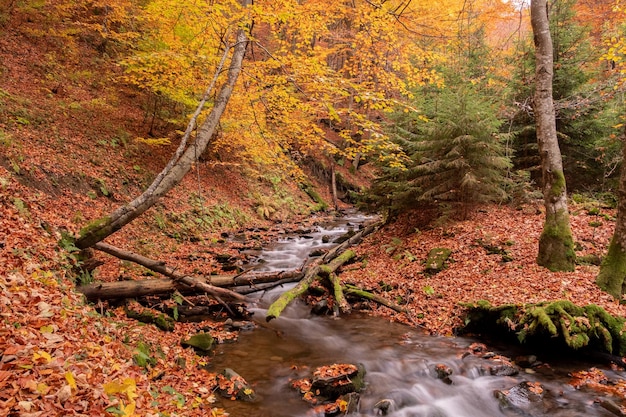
x=525, y=398
x=443, y=373
x=343, y=406
x=385, y=406
x=202, y=343
x=232, y=385
x=334, y=387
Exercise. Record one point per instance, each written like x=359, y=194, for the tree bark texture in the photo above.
x=162, y=268
x=556, y=245
x=178, y=166
x=613, y=268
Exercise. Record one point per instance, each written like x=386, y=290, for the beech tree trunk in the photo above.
x=182, y=161
x=613, y=268
x=556, y=245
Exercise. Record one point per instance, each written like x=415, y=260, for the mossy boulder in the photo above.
x=203, y=343
x=551, y=322
x=436, y=260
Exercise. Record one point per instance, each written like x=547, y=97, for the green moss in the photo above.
x=436, y=259
x=558, y=183
x=310, y=191
x=613, y=270
x=202, y=342
x=556, y=245
x=162, y=321
x=562, y=320
x=94, y=232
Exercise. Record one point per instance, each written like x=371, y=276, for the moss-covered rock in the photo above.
x=160, y=320
x=202, y=343
x=436, y=260
x=613, y=270
x=575, y=326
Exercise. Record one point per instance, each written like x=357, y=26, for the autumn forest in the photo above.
x=150, y=150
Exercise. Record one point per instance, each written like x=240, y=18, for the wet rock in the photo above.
x=527, y=361
x=338, y=379
x=443, y=373
x=238, y=325
x=232, y=385
x=202, y=343
x=385, y=407
x=317, y=252
x=525, y=398
x=612, y=406
x=334, y=387
x=353, y=402
x=320, y=308
x=342, y=406
x=502, y=367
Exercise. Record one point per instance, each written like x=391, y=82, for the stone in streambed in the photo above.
x=232, y=385
x=203, y=343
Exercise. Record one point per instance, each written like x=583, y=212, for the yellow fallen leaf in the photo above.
x=69, y=377
x=40, y=354
x=127, y=386
x=42, y=388
x=46, y=329
x=127, y=410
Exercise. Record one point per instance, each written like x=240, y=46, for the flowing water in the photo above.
x=399, y=361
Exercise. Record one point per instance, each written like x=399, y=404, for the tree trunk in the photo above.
x=182, y=161
x=613, y=269
x=333, y=185
x=140, y=288
x=556, y=246
x=162, y=268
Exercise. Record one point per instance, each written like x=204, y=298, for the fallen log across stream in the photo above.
x=235, y=287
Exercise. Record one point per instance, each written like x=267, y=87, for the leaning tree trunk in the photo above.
x=556, y=246
x=613, y=269
x=182, y=161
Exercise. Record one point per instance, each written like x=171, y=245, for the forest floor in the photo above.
x=67, y=156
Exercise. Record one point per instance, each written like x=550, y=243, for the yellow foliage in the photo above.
x=154, y=141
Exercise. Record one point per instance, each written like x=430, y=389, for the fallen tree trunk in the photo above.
x=351, y=289
x=343, y=304
x=241, y=284
x=310, y=276
x=163, y=269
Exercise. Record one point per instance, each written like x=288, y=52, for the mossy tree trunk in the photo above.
x=185, y=156
x=613, y=267
x=556, y=246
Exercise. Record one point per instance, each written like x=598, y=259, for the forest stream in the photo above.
x=400, y=361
